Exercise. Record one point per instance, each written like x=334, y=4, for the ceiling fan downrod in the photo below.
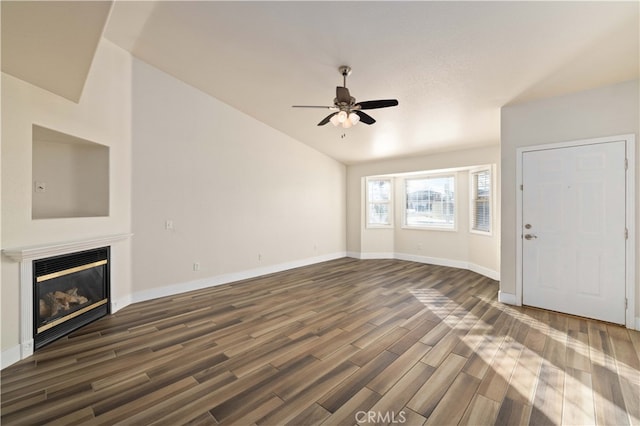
x=345, y=70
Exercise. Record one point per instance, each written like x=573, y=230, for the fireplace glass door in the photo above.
x=69, y=292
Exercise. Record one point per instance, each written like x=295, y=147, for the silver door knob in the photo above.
x=529, y=237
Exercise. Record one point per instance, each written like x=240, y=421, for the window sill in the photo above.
x=483, y=233
x=429, y=228
x=379, y=227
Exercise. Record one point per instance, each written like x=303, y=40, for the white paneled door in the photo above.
x=573, y=230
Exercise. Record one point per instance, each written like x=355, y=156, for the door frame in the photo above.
x=630, y=215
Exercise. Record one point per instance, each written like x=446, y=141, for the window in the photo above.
x=430, y=202
x=481, y=200
x=379, y=211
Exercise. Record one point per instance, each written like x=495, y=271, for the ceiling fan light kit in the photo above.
x=342, y=119
x=348, y=113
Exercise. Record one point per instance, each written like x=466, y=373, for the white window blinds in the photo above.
x=378, y=202
x=481, y=201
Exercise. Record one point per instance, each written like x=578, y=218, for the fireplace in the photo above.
x=27, y=256
x=69, y=291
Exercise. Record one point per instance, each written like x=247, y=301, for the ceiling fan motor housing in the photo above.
x=345, y=105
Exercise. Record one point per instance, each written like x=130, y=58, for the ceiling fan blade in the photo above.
x=382, y=103
x=342, y=95
x=365, y=118
x=312, y=106
x=326, y=119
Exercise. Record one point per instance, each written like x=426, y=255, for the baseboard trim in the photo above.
x=494, y=275
x=10, y=356
x=381, y=255
x=432, y=260
x=217, y=280
x=490, y=273
x=507, y=298
x=117, y=304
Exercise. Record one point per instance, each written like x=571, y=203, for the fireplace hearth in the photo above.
x=69, y=291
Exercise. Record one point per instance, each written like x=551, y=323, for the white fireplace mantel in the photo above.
x=25, y=256
x=41, y=251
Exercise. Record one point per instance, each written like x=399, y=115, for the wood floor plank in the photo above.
x=495, y=383
x=455, y=401
x=259, y=392
x=346, y=414
x=577, y=406
x=577, y=353
x=513, y=413
x=608, y=397
x=357, y=381
x=289, y=387
x=524, y=378
x=411, y=417
x=404, y=389
x=409, y=339
x=313, y=415
x=394, y=372
x=365, y=355
x=80, y=417
x=321, y=343
x=110, y=413
x=429, y=395
x=187, y=405
x=481, y=411
x=486, y=350
x=310, y=343
x=309, y=395
x=548, y=399
x=204, y=419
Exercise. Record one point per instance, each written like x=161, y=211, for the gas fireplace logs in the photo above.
x=53, y=303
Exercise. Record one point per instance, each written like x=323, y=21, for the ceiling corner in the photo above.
x=52, y=44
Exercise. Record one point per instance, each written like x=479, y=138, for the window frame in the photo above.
x=431, y=227
x=473, y=197
x=390, y=203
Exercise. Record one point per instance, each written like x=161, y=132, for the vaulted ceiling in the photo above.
x=51, y=44
x=451, y=65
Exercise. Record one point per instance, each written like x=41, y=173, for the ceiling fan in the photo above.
x=346, y=111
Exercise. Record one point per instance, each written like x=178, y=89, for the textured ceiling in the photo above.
x=451, y=65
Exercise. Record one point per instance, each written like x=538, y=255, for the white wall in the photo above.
x=606, y=111
x=460, y=248
x=102, y=115
x=243, y=198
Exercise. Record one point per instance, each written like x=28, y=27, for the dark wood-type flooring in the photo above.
x=337, y=343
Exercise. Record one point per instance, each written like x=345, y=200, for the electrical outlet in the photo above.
x=168, y=225
x=196, y=266
x=39, y=187
x=259, y=257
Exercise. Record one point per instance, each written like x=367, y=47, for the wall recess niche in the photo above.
x=70, y=176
